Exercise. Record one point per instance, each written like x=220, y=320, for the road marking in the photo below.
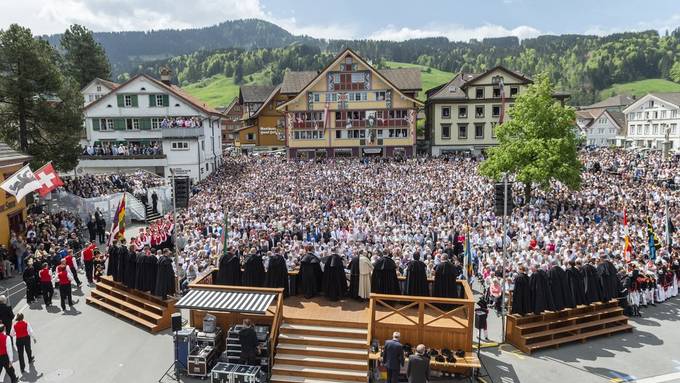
x=660, y=378
x=516, y=353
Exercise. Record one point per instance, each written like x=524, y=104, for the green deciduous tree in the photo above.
x=40, y=109
x=84, y=58
x=675, y=72
x=538, y=144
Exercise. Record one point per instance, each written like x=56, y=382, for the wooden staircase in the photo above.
x=532, y=332
x=150, y=214
x=313, y=351
x=143, y=309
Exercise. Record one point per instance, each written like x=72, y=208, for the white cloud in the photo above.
x=661, y=25
x=453, y=32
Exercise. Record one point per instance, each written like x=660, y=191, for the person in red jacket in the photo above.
x=46, y=284
x=64, y=278
x=73, y=267
x=6, y=355
x=88, y=259
x=22, y=333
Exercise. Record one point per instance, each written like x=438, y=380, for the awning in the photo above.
x=229, y=301
x=372, y=150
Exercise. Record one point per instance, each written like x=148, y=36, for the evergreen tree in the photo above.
x=238, y=72
x=84, y=58
x=40, y=109
x=675, y=72
x=538, y=144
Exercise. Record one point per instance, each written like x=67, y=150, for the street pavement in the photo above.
x=88, y=345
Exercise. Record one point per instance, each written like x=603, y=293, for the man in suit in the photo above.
x=393, y=358
x=248, y=339
x=418, y=368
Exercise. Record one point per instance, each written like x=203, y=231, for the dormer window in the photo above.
x=479, y=92
x=452, y=89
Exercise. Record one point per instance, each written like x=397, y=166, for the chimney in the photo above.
x=166, y=75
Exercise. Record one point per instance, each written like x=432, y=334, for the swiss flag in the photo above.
x=48, y=178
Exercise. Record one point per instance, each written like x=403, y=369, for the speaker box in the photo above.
x=480, y=319
x=176, y=321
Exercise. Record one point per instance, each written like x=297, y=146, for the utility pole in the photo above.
x=174, y=226
x=505, y=254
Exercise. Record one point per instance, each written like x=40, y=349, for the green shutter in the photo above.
x=135, y=101
x=118, y=124
x=95, y=124
x=145, y=123
x=120, y=100
x=152, y=100
x=166, y=100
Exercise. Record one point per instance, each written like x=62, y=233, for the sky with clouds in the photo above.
x=374, y=19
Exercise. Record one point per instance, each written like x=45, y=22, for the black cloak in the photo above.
x=147, y=269
x=578, y=291
x=253, y=271
x=112, y=268
x=139, y=272
x=521, y=296
x=229, y=272
x=309, y=278
x=445, y=285
x=416, y=279
x=122, y=264
x=354, y=277
x=591, y=282
x=541, y=298
x=277, y=274
x=608, y=281
x=384, y=278
x=130, y=278
x=165, y=278
x=559, y=287
x=334, y=280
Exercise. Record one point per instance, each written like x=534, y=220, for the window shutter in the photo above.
x=135, y=101
x=152, y=100
x=118, y=124
x=166, y=100
x=95, y=124
x=120, y=100
x=145, y=123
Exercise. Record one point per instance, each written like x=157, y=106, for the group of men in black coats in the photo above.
x=143, y=271
x=555, y=289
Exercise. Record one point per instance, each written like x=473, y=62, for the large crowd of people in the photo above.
x=96, y=185
x=123, y=149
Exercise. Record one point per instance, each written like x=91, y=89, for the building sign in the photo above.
x=267, y=130
x=180, y=171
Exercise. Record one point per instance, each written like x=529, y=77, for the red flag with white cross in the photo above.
x=48, y=178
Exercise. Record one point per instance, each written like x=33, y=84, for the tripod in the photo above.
x=176, y=364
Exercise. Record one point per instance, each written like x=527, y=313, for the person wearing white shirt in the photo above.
x=22, y=332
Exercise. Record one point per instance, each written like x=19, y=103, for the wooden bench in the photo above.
x=582, y=337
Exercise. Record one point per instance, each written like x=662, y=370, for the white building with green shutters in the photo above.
x=153, y=125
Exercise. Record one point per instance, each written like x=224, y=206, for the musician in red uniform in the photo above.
x=88, y=260
x=46, y=284
x=6, y=355
x=64, y=278
x=73, y=267
x=22, y=333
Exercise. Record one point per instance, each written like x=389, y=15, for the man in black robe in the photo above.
x=165, y=276
x=384, y=278
x=130, y=279
x=354, y=277
x=541, y=297
x=521, y=295
x=559, y=288
x=416, y=277
x=309, y=278
x=122, y=261
x=253, y=271
x=229, y=272
x=141, y=269
x=112, y=267
x=277, y=273
x=445, y=285
x=577, y=289
x=606, y=271
x=334, y=279
x=591, y=282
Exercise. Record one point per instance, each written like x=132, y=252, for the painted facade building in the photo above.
x=263, y=125
x=653, y=120
x=152, y=125
x=462, y=115
x=12, y=213
x=350, y=109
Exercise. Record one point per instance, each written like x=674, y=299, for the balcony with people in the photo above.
x=123, y=150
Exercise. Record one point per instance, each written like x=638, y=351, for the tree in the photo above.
x=675, y=72
x=538, y=144
x=238, y=72
x=40, y=109
x=84, y=58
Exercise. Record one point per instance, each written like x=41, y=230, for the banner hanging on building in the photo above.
x=21, y=183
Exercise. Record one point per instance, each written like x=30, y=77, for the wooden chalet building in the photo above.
x=231, y=122
x=263, y=125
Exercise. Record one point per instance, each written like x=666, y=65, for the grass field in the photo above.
x=640, y=88
x=429, y=79
x=219, y=90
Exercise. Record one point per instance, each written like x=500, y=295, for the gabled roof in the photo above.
x=255, y=93
x=109, y=84
x=363, y=62
x=501, y=68
x=618, y=118
x=622, y=100
x=670, y=97
x=454, y=89
x=9, y=155
x=175, y=90
x=266, y=102
x=293, y=82
x=403, y=78
x=225, y=110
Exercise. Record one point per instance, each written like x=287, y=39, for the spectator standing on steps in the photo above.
x=22, y=333
x=154, y=201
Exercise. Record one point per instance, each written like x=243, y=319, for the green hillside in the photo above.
x=640, y=88
x=219, y=90
x=430, y=77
